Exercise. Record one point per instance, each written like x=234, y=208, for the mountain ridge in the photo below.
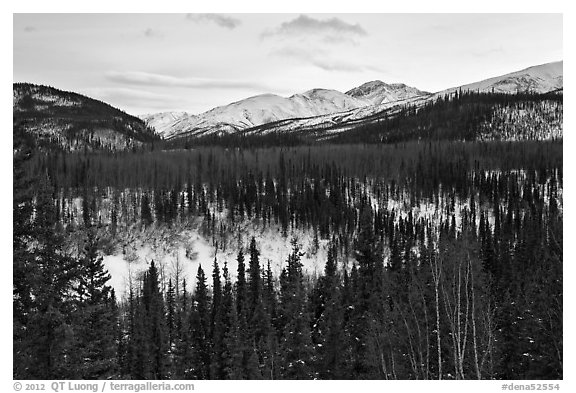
x=325, y=106
x=72, y=121
x=267, y=108
x=541, y=78
x=379, y=92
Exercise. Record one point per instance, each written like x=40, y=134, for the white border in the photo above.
x=298, y=6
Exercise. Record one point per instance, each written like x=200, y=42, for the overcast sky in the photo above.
x=145, y=63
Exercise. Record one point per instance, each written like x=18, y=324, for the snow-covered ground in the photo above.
x=185, y=249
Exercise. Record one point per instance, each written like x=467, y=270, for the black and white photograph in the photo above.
x=287, y=196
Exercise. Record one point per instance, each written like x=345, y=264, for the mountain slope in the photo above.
x=538, y=79
x=322, y=109
x=71, y=121
x=255, y=111
x=542, y=78
x=378, y=92
x=467, y=116
x=166, y=124
x=269, y=108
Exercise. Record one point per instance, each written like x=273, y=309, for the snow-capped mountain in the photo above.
x=321, y=108
x=378, y=92
x=166, y=124
x=268, y=108
x=537, y=79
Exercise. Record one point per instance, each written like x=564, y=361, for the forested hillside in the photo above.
x=69, y=121
x=469, y=116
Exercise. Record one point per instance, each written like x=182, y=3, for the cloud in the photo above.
x=320, y=59
x=336, y=65
x=121, y=97
x=333, y=30
x=150, y=79
x=126, y=93
x=489, y=52
x=219, y=19
x=150, y=33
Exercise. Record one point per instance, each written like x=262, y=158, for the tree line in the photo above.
x=295, y=188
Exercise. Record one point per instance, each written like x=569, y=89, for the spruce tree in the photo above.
x=218, y=324
x=241, y=288
x=23, y=266
x=96, y=317
x=223, y=348
x=296, y=345
x=141, y=358
x=153, y=318
x=171, y=314
x=145, y=211
x=183, y=356
x=200, y=328
x=49, y=336
x=254, y=280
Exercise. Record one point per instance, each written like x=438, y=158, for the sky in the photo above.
x=147, y=63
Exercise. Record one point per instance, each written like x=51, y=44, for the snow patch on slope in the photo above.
x=537, y=79
x=378, y=92
x=167, y=124
x=268, y=108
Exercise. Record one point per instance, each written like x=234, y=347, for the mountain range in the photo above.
x=72, y=121
x=322, y=108
x=268, y=108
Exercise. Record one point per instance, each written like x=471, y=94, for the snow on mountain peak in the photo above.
x=254, y=111
x=167, y=124
x=266, y=108
x=365, y=99
x=537, y=79
x=378, y=92
x=368, y=86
